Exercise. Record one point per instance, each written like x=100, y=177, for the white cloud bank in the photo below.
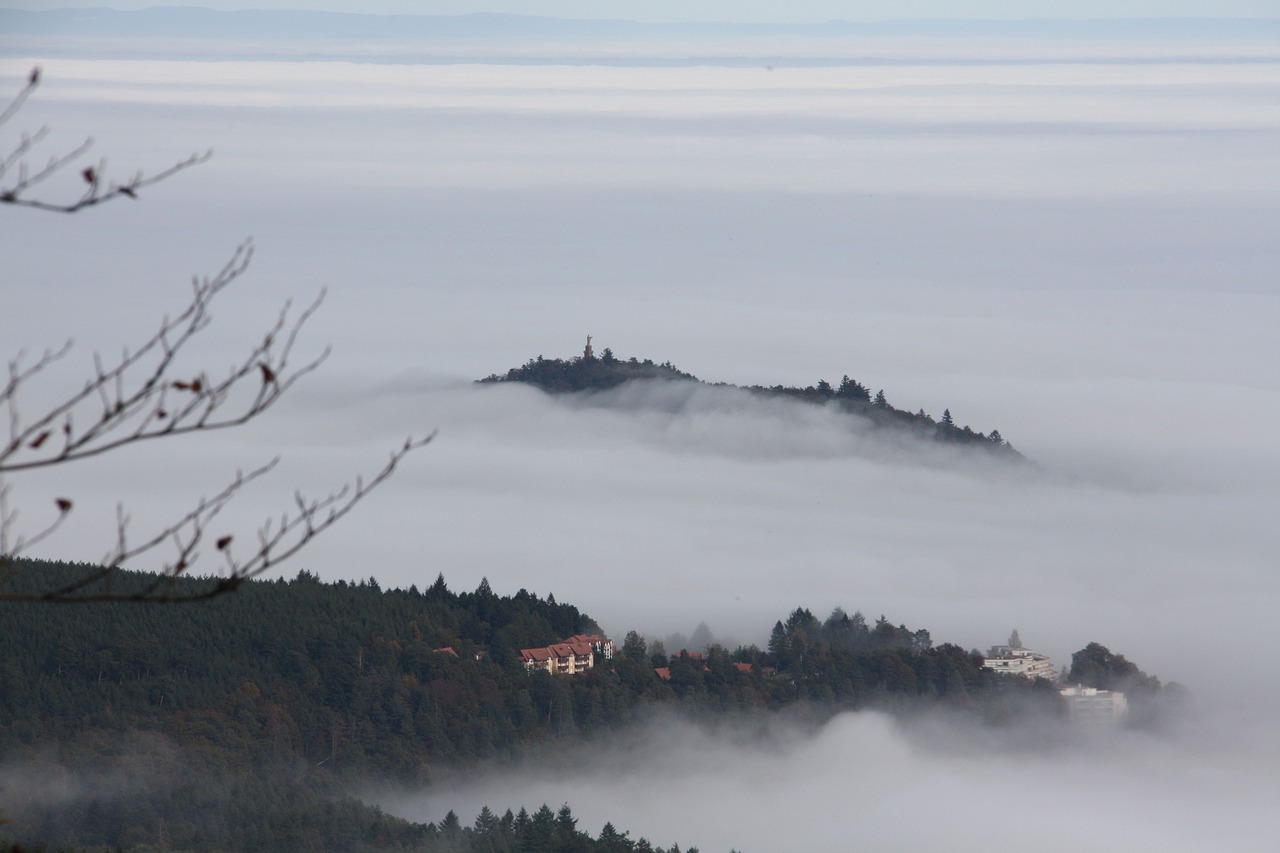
x=1076, y=254
x=864, y=783
x=1081, y=256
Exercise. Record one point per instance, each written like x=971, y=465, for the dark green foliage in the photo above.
x=587, y=374
x=268, y=819
x=851, y=389
x=1097, y=666
x=583, y=374
x=345, y=674
x=241, y=722
x=1150, y=703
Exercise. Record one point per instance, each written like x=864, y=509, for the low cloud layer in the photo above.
x=663, y=509
x=866, y=782
x=1079, y=255
x=1119, y=330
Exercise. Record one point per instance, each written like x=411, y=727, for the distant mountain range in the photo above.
x=186, y=33
x=189, y=22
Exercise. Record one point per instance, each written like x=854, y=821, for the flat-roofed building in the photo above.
x=1092, y=706
x=1015, y=660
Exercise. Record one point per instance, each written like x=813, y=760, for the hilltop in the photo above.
x=589, y=373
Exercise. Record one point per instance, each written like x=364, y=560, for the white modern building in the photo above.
x=1016, y=660
x=1091, y=706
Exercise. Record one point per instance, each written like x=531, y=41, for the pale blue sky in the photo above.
x=737, y=10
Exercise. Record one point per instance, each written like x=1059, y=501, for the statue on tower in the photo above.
x=588, y=353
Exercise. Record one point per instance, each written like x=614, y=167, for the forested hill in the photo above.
x=242, y=723
x=589, y=373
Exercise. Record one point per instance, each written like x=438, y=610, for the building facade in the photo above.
x=1015, y=660
x=1091, y=706
x=575, y=655
x=600, y=644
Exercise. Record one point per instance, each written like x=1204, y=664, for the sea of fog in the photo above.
x=1080, y=254
x=865, y=782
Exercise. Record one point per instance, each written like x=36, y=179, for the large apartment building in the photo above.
x=1016, y=660
x=575, y=655
x=1091, y=706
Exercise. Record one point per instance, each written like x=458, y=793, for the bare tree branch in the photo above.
x=154, y=405
x=137, y=399
x=98, y=189
x=146, y=394
x=33, y=80
x=276, y=542
x=8, y=516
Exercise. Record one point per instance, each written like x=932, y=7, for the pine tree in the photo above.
x=778, y=645
x=853, y=390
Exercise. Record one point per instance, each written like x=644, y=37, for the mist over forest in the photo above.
x=1060, y=230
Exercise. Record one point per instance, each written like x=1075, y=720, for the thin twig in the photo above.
x=98, y=190
x=275, y=543
x=141, y=397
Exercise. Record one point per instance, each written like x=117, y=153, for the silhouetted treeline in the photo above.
x=241, y=813
x=601, y=373
x=587, y=374
x=840, y=663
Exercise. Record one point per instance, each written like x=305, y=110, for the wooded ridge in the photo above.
x=589, y=373
x=243, y=723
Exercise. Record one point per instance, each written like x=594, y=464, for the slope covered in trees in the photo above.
x=243, y=722
x=589, y=373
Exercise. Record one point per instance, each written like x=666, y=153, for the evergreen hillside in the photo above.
x=242, y=722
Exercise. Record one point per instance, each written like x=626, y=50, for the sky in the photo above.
x=756, y=11
x=1070, y=241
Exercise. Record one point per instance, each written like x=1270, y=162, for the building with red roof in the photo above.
x=600, y=644
x=575, y=655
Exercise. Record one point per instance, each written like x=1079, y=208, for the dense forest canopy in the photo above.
x=591, y=373
x=243, y=722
